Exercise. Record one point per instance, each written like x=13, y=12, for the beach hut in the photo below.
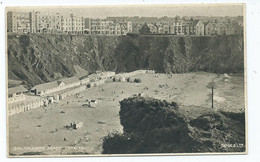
x=56, y=97
x=16, y=94
x=77, y=125
x=122, y=79
x=93, y=103
x=50, y=100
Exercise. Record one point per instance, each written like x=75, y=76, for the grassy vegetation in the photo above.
x=154, y=126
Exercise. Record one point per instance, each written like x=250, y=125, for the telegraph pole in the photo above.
x=212, y=97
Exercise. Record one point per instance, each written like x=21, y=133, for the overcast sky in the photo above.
x=144, y=10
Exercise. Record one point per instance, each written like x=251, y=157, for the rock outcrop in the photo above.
x=154, y=126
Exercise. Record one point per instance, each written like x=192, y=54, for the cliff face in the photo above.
x=35, y=59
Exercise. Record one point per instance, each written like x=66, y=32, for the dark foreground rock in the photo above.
x=154, y=126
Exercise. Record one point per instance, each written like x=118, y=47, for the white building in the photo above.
x=55, y=86
x=15, y=94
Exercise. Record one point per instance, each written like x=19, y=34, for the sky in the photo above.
x=144, y=10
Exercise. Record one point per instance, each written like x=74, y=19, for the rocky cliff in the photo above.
x=35, y=59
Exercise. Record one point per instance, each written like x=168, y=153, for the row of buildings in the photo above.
x=191, y=27
x=21, y=99
x=107, y=27
x=37, y=22
x=41, y=22
x=16, y=94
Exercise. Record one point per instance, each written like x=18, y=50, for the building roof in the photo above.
x=44, y=86
x=205, y=23
x=195, y=22
x=17, y=89
x=191, y=23
x=69, y=80
x=212, y=24
x=222, y=24
x=56, y=83
x=92, y=76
